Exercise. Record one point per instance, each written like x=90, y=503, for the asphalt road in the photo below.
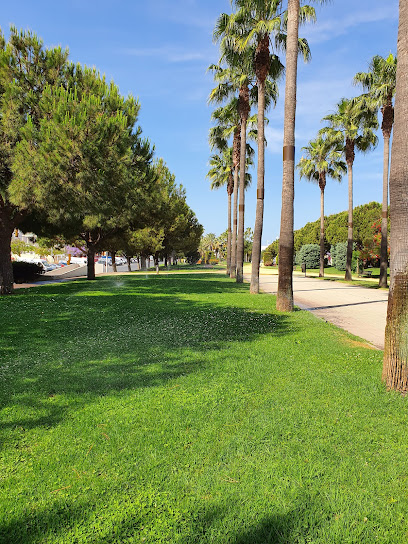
x=359, y=310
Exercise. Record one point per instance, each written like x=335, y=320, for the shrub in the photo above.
x=213, y=261
x=310, y=255
x=339, y=256
x=23, y=271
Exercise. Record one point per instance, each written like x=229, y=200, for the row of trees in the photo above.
x=74, y=164
x=213, y=246
x=247, y=75
x=261, y=24
x=352, y=128
x=366, y=233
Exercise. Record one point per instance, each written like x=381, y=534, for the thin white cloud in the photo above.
x=274, y=138
x=327, y=30
x=168, y=53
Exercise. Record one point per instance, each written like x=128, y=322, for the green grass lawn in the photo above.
x=333, y=274
x=181, y=409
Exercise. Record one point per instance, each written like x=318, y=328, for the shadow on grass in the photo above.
x=64, y=345
x=152, y=520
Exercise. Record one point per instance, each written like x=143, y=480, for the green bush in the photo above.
x=339, y=256
x=310, y=255
x=23, y=271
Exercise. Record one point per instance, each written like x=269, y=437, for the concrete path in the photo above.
x=359, y=310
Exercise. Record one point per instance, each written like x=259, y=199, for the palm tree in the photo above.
x=395, y=369
x=323, y=159
x=220, y=174
x=295, y=14
x=352, y=125
x=284, y=300
x=380, y=83
x=235, y=78
x=261, y=26
x=228, y=124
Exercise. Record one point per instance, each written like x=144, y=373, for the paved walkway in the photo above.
x=359, y=310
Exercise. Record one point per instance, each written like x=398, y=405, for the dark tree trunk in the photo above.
x=8, y=222
x=236, y=146
x=6, y=267
x=243, y=112
x=165, y=261
x=230, y=188
x=262, y=64
x=128, y=264
x=142, y=262
x=395, y=369
x=156, y=263
x=322, y=185
x=114, y=267
x=90, y=260
x=348, y=275
x=284, y=301
x=388, y=119
x=350, y=155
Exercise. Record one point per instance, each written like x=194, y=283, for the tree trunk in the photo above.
x=128, y=264
x=6, y=267
x=234, y=227
x=114, y=267
x=321, y=271
x=142, y=262
x=348, y=275
x=156, y=263
x=165, y=261
x=90, y=262
x=229, y=235
x=284, y=301
x=395, y=369
x=256, y=244
x=244, y=111
x=384, y=221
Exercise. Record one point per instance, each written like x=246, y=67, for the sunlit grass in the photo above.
x=182, y=409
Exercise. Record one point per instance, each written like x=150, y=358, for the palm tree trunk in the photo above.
x=384, y=221
x=395, y=369
x=284, y=301
x=233, y=272
x=256, y=245
x=240, y=241
x=229, y=235
x=321, y=271
x=348, y=275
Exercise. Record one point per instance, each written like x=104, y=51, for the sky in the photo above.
x=159, y=52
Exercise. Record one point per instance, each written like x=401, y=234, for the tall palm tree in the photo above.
x=220, y=174
x=239, y=77
x=353, y=125
x=228, y=125
x=395, y=369
x=284, y=300
x=296, y=13
x=380, y=83
x=323, y=159
x=235, y=77
x=261, y=26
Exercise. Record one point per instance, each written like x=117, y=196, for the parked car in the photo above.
x=102, y=260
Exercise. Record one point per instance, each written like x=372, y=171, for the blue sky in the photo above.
x=159, y=51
